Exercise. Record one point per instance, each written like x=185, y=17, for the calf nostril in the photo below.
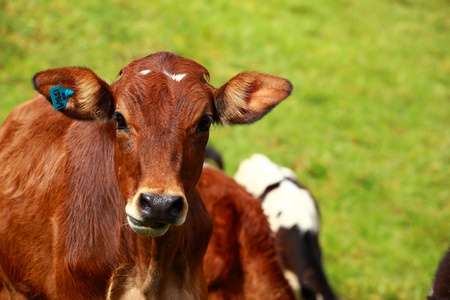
x=145, y=200
x=176, y=207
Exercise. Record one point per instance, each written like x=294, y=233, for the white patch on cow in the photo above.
x=257, y=173
x=292, y=280
x=288, y=206
x=175, y=77
x=207, y=165
x=144, y=72
x=288, y=173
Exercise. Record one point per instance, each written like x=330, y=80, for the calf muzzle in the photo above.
x=160, y=209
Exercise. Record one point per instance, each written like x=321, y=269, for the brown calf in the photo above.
x=241, y=261
x=120, y=156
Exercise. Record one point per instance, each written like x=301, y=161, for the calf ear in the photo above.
x=248, y=96
x=92, y=97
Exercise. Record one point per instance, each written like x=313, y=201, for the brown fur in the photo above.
x=241, y=261
x=66, y=179
x=166, y=267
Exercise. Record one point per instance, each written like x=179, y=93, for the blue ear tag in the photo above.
x=60, y=96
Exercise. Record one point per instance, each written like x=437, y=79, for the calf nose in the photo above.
x=162, y=209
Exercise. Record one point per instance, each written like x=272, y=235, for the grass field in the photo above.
x=367, y=128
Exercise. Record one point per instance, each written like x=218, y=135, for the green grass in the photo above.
x=367, y=128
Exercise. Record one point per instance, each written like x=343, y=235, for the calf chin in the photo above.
x=149, y=229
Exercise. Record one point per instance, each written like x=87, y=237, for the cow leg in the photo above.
x=300, y=252
x=307, y=294
x=310, y=269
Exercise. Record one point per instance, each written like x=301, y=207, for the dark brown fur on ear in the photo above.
x=92, y=98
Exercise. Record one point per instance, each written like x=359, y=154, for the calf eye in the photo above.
x=121, y=124
x=204, y=124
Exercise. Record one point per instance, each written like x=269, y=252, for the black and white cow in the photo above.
x=294, y=218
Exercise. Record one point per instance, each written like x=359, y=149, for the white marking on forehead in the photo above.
x=177, y=78
x=144, y=72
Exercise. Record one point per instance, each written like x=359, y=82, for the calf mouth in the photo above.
x=147, y=228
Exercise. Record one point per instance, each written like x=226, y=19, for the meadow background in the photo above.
x=367, y=127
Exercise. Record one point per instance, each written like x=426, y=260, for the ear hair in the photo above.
x=92, y=97
x=249, y=96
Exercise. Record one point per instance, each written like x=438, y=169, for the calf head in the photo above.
x=161, y=109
